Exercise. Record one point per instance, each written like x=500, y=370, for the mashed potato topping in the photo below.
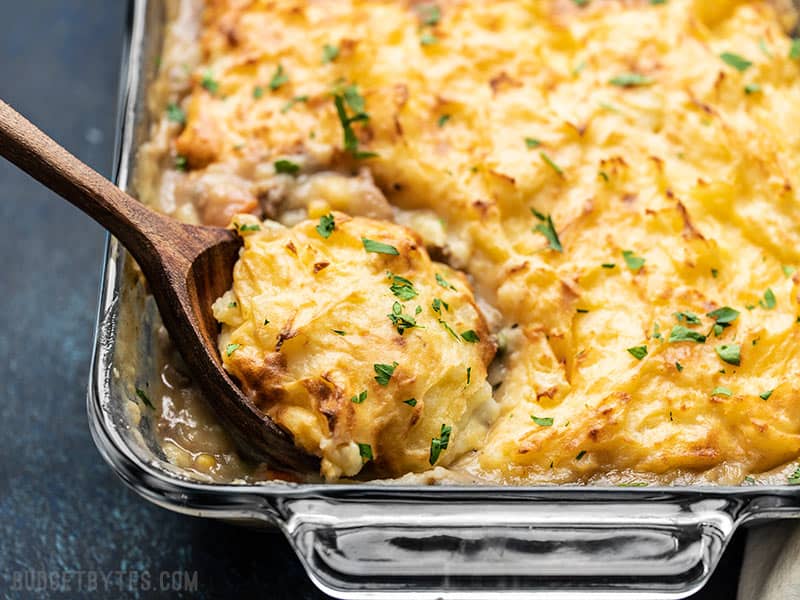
x=618, y=179
x=351, y=338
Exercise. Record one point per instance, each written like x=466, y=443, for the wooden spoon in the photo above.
x=187, y=267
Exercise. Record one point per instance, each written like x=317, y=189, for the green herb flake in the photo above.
x=794, y=49
x=724, y=315
x=384, y=372
x=442, y=121
x=736, y=61
x=654, y=3
x=232, y=304
x=379, y=247
x=721, y=391
x=181, y=163
x=470, y=336
x=429, y=14
x=286, y=167
x=688, y=317
x=582, y=311
x=752, y=88
x=401, y=321
x=581, y=3
x=258, y=92
x=144, y=398
x=680, y=333
x=444, y=283
x=542, y=421
x=628, y=80
x=749, y=479
x=326, y=226
x=365, y=451
x=176, y=114
x=532, y=143
x=288, y=106
x=768, y=302
x=638, y=352
x=794, y=478
x=766, y=395
x=608, y=265
x=410, y=401
x=469, y=374
x=401, y=287
x=210, y=84
x=549, y=161
x=580, y=455
x=678, y=366
x=231, y=348
x=657, y=332
x=449, y=330
x=440, y=443
x=279, y=77
x=437, y=305
x=359, y=398
x=635, y=263
x=428, y=39
x=244, y=227
x=329, y=53
x=266, y=321
x=787, y=270
x=730, y=353
x=338, y=331
x=714, y=273
x=548, y=230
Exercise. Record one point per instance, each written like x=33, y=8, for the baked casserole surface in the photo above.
x=607, y=189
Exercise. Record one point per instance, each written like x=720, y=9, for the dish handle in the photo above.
x=424, y=547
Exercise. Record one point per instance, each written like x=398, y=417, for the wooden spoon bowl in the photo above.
x=187, y=268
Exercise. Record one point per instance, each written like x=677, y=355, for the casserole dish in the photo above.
x=374, y=540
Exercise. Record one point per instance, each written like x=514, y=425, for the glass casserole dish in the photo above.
x=373, y=540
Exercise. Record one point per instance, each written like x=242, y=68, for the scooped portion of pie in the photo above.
x=347, y=334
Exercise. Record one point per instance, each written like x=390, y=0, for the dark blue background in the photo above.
x=61, y=507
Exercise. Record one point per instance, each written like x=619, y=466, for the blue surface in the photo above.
x=62, y=510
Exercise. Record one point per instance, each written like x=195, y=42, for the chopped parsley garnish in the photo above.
x=245, y=227
x=730, y=353
x=714, y=273
x=144, y=398
x=258, y=92
x=359, y=398
x=657, y=332
x=580, y=455
x=794, y=478
x=429, y=14
x=437, y=305
x=449, y=329
x=766, y=395
x=329, y=53
x=444, y=283
x=548, y=230
x=603, y=175
x=582, y=311
x=724, y=315
x=678, y=366
x=787, y=270
x=384, y=372
x=232, y=304
x=266, y=322
x=210, y=84
x=378, y=247
x=401, y=287
x=288, y=106
x=689, y=317
x=401, y=321
x=752, y=88
x=175, y=113
x=532, y=143
x=469, y=374
x=286, y=167
x=428, y=39
x=542, y=421
x=470, y=336
x=608, y=265
x=762, y=44
x=655, y=2
x=443, y=120
x=326, y=226
x=549, y=161
x=365, y=451
x=634, y=262
x=736, y=61
x=181, y=163
x=279, y=77
x=231, y=348
x=680, y=333
x=581, y=2
x=630, y=80
x=339, y=331
x=794, y=49
x=355, y=101
x=440, y=443
x=410, y=401
x=638, y=352
x=721, y=391
x=769, y=302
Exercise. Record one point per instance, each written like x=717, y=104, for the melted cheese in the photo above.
x=693, y=168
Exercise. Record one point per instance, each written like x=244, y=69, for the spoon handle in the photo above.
x=140, y=230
